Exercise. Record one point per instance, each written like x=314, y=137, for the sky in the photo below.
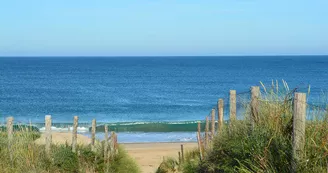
x=163, y=27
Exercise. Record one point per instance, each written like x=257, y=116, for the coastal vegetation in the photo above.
x=23, y=154
x=267, y=144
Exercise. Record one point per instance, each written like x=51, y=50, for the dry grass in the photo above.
x=267, y=147
x=24, y=155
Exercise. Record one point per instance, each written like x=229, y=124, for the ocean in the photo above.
x=145, y=99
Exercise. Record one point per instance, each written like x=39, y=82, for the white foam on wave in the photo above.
x=153, y=122
x=66, y=129
x=135, y=137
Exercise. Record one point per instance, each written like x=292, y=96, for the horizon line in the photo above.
x=145, y=56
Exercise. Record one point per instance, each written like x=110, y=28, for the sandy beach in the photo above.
x=63, y=137
x=150, y=155
x=147, y=155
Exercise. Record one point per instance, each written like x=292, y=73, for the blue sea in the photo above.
x=145, y=99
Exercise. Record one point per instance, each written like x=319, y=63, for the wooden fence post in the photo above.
x=233, y=116
x=179, y=157
x=93, y=134
x=255, y=90
x=213, y=123
x=199, y=139
x=182, y=153
x=112, y=145
x=220, y=114
x=299, y=118
x=106, y=151
x=206, y=133
x=115, y=143
x=30, y=126
x=74, y=134
x=106, y=144
x=10, y=129
x=48, y=134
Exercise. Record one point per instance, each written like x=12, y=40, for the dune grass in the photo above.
x=26, y=156
x=268, y=146
x=189, y=165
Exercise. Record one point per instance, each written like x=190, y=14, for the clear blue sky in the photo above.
x=163, y=27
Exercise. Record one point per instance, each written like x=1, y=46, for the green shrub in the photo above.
x=191, y=162
x=123, y=163
x=267, y=146
x=169, y=165
x=65, y=160
x=86, y=155
x=27, y=156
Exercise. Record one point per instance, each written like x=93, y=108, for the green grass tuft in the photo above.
x=24, y=155
x=267, y=147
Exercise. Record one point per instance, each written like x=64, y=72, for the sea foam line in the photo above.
x=67, y=129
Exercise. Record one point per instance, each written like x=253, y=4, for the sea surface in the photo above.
x=145, y=99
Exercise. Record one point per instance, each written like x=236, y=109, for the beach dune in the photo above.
x=148, y=155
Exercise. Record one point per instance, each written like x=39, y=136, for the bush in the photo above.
x=123, y=163
x=190, y=164
x=169, y=165
x=65, y=160
x=27, y=156
x=86, y=155
x=244, y=151
x=266, y=146
x=192, y=160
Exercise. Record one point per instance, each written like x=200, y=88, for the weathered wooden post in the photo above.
x=213, y=123
x=74, y=134
x=182, y=153
x=299, y=117
x=106, y=144
x=93, y=134
x=112, y=145
x=199, y=139
x=206, y=132
x=179, y=157
x=10, y=129
x=233, y=111
x=220, y=114
x=48, y=135
x=255, y=90
x=30, y=126
x=115, y=143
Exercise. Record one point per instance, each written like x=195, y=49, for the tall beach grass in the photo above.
x=267, y=146
x=24, y=155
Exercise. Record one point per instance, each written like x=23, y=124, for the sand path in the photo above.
x=147, y=155
x=150, y=155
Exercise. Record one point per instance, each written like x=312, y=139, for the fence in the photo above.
x=109, y=146
x=233, y=106
x=250, y=104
